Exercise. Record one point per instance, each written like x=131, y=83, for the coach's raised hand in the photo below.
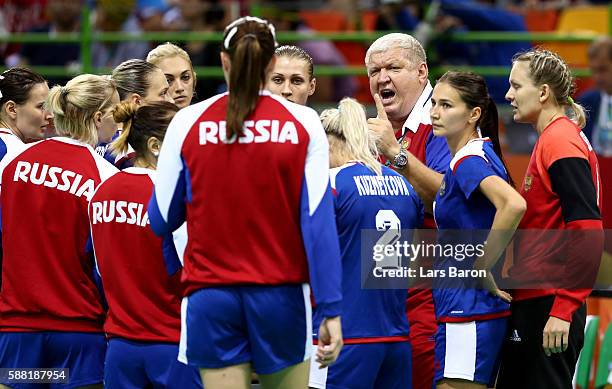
x=381, y=126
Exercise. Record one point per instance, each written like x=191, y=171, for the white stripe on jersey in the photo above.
x=182, y=354
x=308, y=308
x=333, y=173
x=170, y=163
x=460, y=354
x=473, y=147
x=317, y=160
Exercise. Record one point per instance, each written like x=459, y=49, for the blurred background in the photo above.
x=62, y=38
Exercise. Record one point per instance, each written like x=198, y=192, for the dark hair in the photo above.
x=250, y=44
x=16, y=84
x=141, y=123
x=132, y=76
x=473, y=91
x=297, y=53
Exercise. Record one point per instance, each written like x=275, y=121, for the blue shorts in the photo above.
x=366, y=366
x=469, y=351
x=137, y=365
x=81, y=352
x=268, y=326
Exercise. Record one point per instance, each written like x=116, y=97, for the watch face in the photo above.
x=401, y=160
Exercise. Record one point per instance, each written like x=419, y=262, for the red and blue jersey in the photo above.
x=47, y=271
x=139, y=270
x=121, y=161
x=9, y=143
x=258, y=206
x=460, y=205
x=365, y=201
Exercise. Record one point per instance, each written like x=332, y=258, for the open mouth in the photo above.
x=387, y=95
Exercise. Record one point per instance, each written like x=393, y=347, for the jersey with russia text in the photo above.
x=462, y=208
x=258, y=207
x=47, y=271
x=144, y=301
x=365, y=202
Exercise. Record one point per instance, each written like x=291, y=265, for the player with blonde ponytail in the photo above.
x=52, y=311
x=375, y=204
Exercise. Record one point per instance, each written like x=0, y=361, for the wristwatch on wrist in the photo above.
x=401, y=159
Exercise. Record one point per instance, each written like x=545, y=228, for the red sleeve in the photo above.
x=584, y=257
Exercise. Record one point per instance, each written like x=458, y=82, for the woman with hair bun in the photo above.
x=140, y=272
x=51, y=311
x=23, y=115
x=377, y=351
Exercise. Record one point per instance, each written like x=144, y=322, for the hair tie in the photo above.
x=233, y=29
x=570, y=100
x=229, y=37
x=249, y=35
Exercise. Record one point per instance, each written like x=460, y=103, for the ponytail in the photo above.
x=249, y=42
x=489, y=127
x=349, y=124
x=141, y=123
x=123, y=113
x=245, y=77
x=577, y=114
x=75, y=104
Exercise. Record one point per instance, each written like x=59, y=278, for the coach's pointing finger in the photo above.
x=382, y=129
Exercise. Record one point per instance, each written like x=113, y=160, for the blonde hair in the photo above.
x=547, y=67
x=75, y=104
x=415, y=52
x=349, y=124
x=169, y=50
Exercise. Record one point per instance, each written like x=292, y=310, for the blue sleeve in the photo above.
x=318, y=223
x=95, y=276
x=175, y=215
x=320, y=237
x=437, y=155
x=420, y=210
x=172, y=180
x=470, y=172
x=171, y=258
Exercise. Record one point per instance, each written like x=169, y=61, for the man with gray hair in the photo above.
x=397, y=70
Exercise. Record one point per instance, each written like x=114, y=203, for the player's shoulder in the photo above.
x=474, y=148
x=562, y=137
x=559, y=131
x=298, y=111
